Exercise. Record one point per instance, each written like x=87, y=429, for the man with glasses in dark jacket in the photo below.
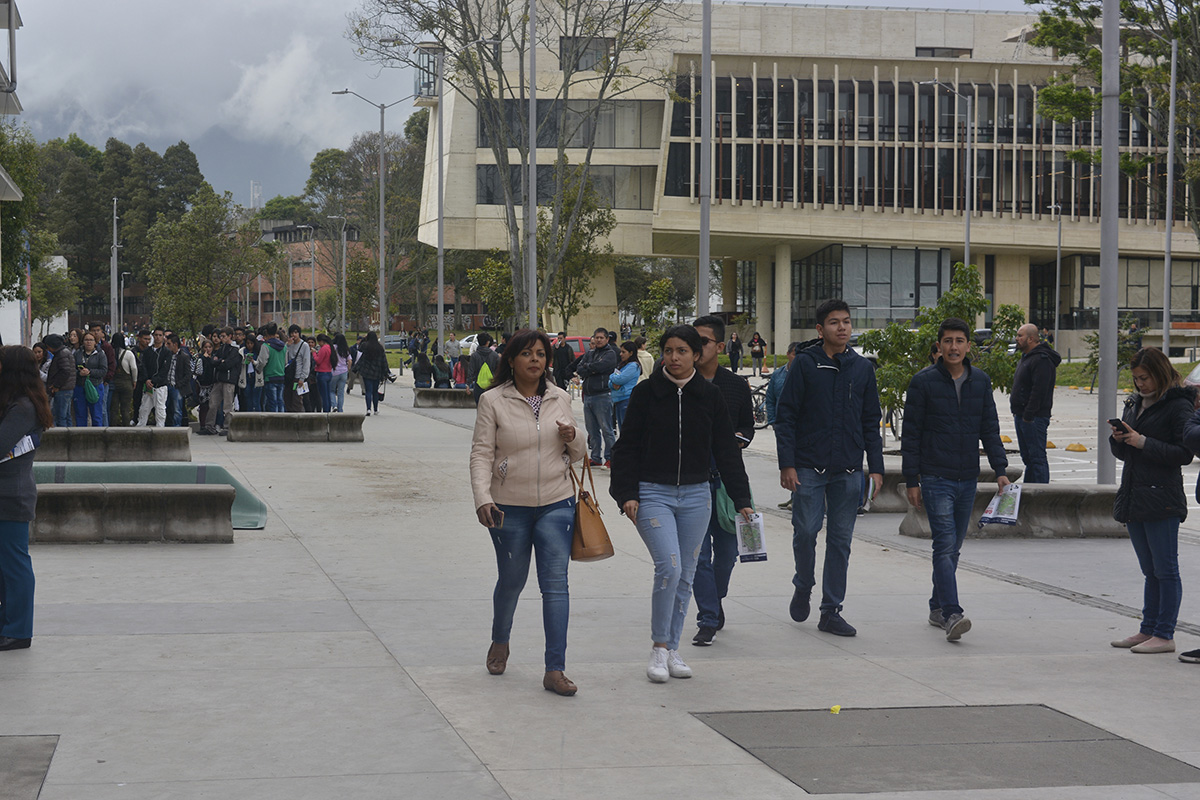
x=948, y=412
x=826, y=420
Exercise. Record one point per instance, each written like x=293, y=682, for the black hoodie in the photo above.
x=1033, y=384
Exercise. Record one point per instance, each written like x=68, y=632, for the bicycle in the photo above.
x=894, y=419
x=759, y=399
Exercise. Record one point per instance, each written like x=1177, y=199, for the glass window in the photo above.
x=854, y=275
x=627, y=123
x=584, y=52
x=652, y=123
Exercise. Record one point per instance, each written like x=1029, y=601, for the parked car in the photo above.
x=395, y=341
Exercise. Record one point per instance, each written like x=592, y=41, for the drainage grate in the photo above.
x=24, y=762
x=942, y=748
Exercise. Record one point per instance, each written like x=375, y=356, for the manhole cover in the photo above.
x=24, y=762
x=942, y=748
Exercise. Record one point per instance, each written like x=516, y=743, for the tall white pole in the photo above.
x=342, y=327
x=531, y=263
x=441, y=207
x=383, y=309
x=1170, y=207
x=970, y=178
x=1110, y=119
x=1057, y=273
x=113, y=303
x=705, y=193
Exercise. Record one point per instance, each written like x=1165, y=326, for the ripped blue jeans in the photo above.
x=672, y=521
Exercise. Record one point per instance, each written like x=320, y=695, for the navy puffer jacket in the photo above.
x=942, y=433
x=828, y=413
x=1152, y=479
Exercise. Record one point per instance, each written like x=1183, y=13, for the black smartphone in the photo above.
x=1116, y=423
x=498, y=518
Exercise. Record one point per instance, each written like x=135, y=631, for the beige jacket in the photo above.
x=647, y=363
x=517, y=461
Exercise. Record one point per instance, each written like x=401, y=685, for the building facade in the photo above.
x=840, y=168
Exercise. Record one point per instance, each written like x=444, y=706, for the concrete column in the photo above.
x=783, y=299
x=763, y=295
x=729, y=285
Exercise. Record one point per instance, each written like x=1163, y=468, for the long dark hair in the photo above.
x=631, y=348
x=520, y=341
x=19, y=377
x=341, y=347
x=371, y=347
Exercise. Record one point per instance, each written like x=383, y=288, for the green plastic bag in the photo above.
x=90, y=392
x=727, y=514
x=484, y=379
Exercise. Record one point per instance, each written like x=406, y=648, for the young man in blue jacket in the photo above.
x=827, y=418
x=948, y=412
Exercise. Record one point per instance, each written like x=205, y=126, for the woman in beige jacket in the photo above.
x=525, y=441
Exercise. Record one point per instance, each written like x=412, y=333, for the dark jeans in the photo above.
x=1031, y=439
x=16, y=581
x=546, y=531
x=718, y=555
x=619, y=413
x=324, y=386
x=371, y=392
x=60, y=405
x=598, y=419
x=829, y=497
x=948, y=505
x=1157, y=546
x=85, y=410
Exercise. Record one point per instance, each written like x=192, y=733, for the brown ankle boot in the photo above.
x=558, y=683
x=497, y=658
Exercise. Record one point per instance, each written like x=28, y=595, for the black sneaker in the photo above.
x=720, y=615
x=1191, y=656
x=800, y=608
x=832, y=622
x=956, y=626
x=937, y=619
x=704, y=636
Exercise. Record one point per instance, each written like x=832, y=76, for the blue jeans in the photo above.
x=174, y=408
x=619, y=412
x=718, y=554
x=671, y=521
x=251, y=398
x=105, y=399
x=1031, y=440
x=1157, y=546
x=338, y=389
x=948, y=505
x=598, y=419
x=16, y=581
x=60, y=405
x=324, y=381
x=830, y=497
x=371, y=393
x=84, y=409
x=274, y=401
x=547, y=532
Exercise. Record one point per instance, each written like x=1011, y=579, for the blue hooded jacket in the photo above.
x=828, y=413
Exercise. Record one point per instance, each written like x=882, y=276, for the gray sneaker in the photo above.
x=956, y=626
x=936, y=619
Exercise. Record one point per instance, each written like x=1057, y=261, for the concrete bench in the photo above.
x=251, y=426
x=443, y=398
x=1048, y=511
x=893, y=497
x=114, y=444
x=80, y=513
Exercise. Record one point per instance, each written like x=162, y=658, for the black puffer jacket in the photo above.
x=669, y=437
x=1152, y=481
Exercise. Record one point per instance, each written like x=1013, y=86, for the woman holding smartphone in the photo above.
x=675, y=425
x=524, y=443
x=1150, y=500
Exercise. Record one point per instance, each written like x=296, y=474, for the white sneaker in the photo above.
x=676, y=667
x=658, y=672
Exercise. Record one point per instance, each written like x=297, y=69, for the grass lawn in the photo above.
x=1072, y=374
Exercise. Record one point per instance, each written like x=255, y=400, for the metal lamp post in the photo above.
x=383, y=107
x=121, y=303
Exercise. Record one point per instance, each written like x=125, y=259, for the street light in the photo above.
x=121, y=303
x=1057, y=209
x=970, y=98
x=382, y=281
x=342, y=327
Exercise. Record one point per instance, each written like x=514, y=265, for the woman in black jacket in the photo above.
x=24, y=413
x=1150, y=500
x=675, y=426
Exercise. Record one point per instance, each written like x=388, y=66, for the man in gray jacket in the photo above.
x=299, y=360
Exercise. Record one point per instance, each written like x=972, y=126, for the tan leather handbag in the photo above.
x=591, y=542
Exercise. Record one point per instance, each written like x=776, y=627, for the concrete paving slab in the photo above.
x=116, y=619
x=24, y=761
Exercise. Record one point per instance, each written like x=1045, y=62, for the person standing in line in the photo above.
x=299, y=362
x=40, y=354
x=645, y=359
x=948, y=412
x=622, y=381
x=341, y=372
x=371, y=365
x=227, y=363
x=675, y=426
x=594, y=368
x=100, y=331
x=24, y=414
x=154, y=381
x=734, y=349
x=1031, y=399
x=1152, y=442
x=249, y=378
x=719, y=550
x=123, y=382
x=564, y=356
x=524, y=442
x=92, y=367
x=60, y=379
x=179, y=373
x=323, y=367
x=272, y=365
x=758, y=352
x=826, y=421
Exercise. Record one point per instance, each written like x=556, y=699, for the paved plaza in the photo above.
x=338, y=653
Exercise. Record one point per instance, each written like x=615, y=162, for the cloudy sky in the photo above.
x=245, y=82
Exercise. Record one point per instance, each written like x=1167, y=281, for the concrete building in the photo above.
x=839, y=168
x=16, y=319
